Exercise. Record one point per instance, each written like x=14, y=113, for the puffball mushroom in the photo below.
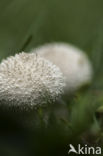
x=27, y=80
x=72, y=61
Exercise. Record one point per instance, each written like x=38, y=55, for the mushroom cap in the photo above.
x=27, y=80
x=72, y=61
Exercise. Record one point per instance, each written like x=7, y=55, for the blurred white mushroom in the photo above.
x=72, y=61
x=27, y=80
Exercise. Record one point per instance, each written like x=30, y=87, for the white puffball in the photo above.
x=72, y=61
x=27, y=80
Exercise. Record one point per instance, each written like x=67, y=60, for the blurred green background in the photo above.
x=25, y=24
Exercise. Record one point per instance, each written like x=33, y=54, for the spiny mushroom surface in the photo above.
x=72, y=61
x=28, y=80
